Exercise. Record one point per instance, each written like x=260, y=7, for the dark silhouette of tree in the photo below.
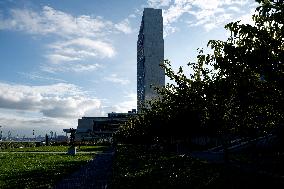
x=237, y=90
x=250, y=73
x=72, y=137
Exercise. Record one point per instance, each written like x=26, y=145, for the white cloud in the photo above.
x=115, y=79
x=21, y=125
x=85, y=67
x=132, y=16
x=158, y=3
x=218, y=21
x=239, y=2
x=216, y=13
x=207, y=4
x=68, y=107
x=247, y=18
x=124, y=26
x=236, y=9
x=253, y=5
x=24, y=20
x=207, y=13
x=59, y=58
x=174, y=12
x=78, y=37
x=79, y=49
x=127, y=105
x=59, y=100
x=210, y=26
x=37, y=76
x=93, y=47
x=124, y=106
x=51, y=21
x=70, y=67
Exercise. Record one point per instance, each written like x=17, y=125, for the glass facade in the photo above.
x=150, y=54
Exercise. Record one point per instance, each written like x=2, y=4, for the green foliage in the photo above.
x=251, y=71
x=236, y=90
x=137, y=166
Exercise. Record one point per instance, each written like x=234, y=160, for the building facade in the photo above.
x=150, y=54
x=92, y=128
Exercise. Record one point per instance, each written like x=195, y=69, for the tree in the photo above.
x=241, y=95
x=72, y=137
x=250, y=70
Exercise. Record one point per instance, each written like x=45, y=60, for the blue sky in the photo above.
x=61, y=60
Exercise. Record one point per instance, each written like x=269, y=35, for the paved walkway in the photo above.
x=96, y=174
x=211, y=157
x=218, y=157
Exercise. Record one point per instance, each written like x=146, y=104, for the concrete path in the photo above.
x=218, y=157
x=208, y=156
x=96, y=174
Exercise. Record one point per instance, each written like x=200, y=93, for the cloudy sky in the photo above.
x=61, y=60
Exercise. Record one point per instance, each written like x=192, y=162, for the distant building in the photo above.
x=61, y=138
x=150, y=54
x=92, y=128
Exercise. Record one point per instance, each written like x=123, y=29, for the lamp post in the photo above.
x=51, y=134
x=0, y=133
x=33, y=133
x=9, y=135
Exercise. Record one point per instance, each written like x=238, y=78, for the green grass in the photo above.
x=91, y=148
x=38, y=149
x=22, y=170
x=34, y=170
x=55, y=149
x=13, y=144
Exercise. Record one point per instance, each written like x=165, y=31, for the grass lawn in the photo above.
x=55, y=149
x=31, y=170
x=138, y=167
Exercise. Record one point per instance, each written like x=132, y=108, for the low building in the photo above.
x=93, y=128
x=61, y=138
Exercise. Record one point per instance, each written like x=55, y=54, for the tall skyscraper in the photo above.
x=150, y=54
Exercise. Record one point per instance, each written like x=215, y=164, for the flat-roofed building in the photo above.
x=91, y=128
